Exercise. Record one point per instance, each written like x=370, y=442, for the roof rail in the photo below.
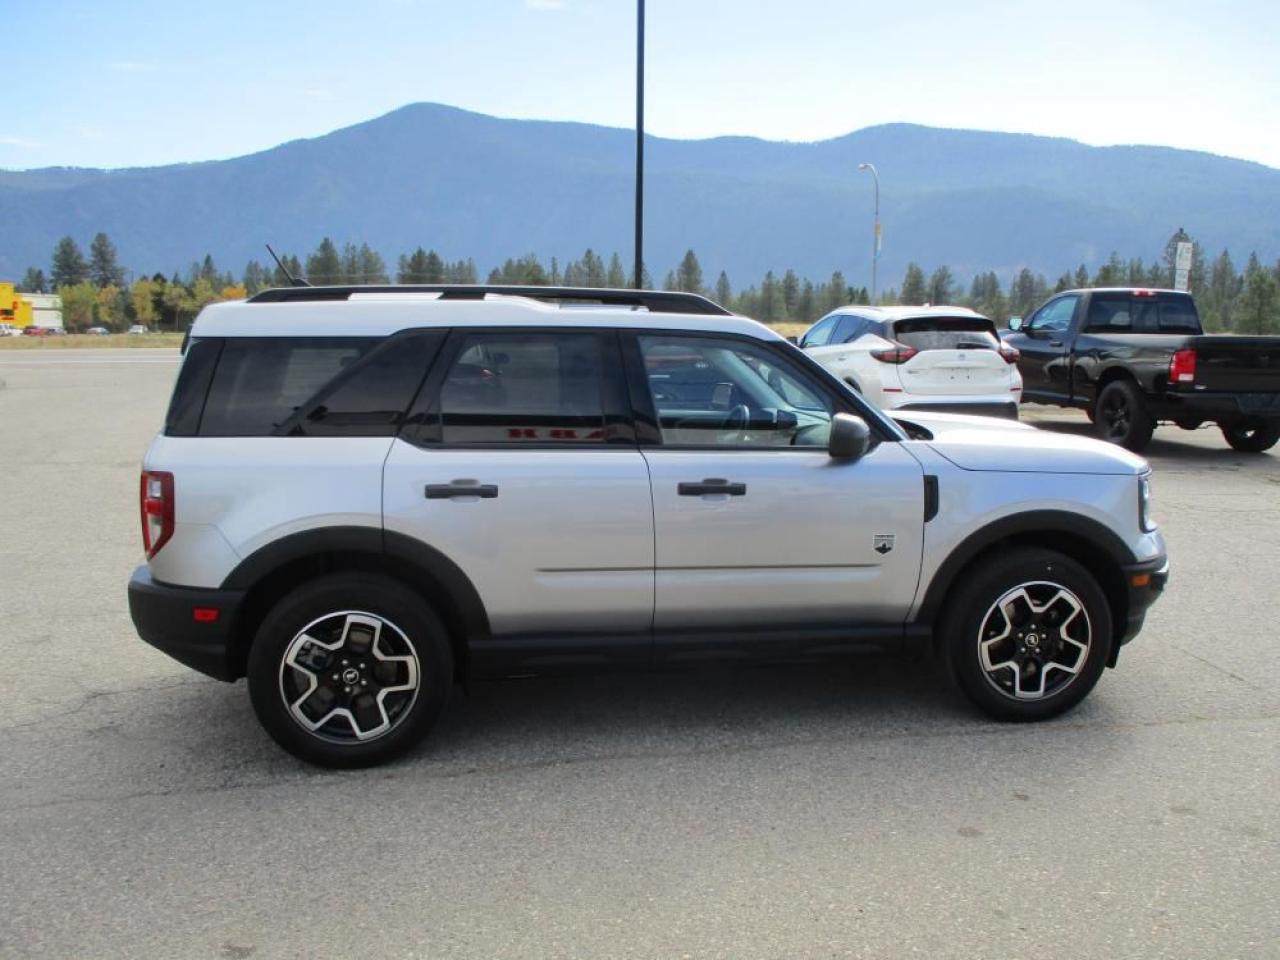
x=656, y=301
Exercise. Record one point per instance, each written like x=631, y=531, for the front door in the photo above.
x=1045, y=343
x=756, y=526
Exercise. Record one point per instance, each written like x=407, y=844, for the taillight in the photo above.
x=898, y=353
x=1182, y=368
x=155, y=500
x=1009, y=354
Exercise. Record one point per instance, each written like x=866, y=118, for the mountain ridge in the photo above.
x=468, y=184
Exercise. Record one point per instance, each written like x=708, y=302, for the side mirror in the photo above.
x=850, y=437
x=1015, y=324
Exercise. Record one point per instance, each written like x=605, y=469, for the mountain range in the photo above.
x=471, y=185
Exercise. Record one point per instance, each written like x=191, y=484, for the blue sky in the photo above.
x=137, y=82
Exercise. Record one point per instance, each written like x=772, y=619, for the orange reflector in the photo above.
x=1140, y=579
x=204, y=614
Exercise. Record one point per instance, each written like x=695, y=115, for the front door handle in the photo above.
x=695, y=488
x=461, y=488
x=1055, y=343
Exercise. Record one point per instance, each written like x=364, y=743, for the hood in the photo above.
x=990, y=443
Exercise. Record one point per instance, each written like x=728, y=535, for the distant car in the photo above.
x=34, y=331
x=97, y=331
x=919, y=358
x=137, y=328
x=9, y=330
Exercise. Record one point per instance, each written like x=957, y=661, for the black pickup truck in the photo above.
x=1131, y=358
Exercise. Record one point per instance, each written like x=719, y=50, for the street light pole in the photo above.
x=875, y=239
x=638, y=277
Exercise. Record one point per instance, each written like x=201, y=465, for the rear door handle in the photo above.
x=462, y=488
x=695, y=488
x=1055, y=343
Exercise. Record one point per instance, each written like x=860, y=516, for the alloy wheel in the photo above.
x=1034, y=640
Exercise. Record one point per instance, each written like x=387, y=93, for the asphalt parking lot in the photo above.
x=861, y=811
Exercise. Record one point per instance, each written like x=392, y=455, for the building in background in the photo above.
x=29, y=309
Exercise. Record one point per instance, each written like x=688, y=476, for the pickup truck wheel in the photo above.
x=1028, y=636
x=1253, y=439
x=349, y=670
x=1122, y=416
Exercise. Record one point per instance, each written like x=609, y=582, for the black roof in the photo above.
x=656, y=301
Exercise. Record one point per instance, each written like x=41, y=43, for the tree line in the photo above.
x=97, y=291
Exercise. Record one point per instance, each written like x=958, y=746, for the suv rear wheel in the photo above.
x=1029, y=636
x=349, y=670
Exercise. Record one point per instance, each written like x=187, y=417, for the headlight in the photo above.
x=1144, y=504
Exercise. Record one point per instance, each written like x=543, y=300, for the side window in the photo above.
x=820, y=333
x=850, y=329
x=191, y=388
x=370, y=398
x=1054, y=316
x=718, y=392
x=524, y=388
x=261, y=381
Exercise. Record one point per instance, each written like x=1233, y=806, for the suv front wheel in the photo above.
x=1028, y=637
x=349, y=670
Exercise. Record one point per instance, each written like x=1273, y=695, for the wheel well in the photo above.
x=268, y=589
x=1110, y=376
x=1104, y=567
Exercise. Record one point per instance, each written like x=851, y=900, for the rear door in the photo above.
x=956, y=356
x=755, y=525
x=522, y=468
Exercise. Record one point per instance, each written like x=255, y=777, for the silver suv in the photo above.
x=361, y=495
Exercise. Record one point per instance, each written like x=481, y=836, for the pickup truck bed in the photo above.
x=1132, y=358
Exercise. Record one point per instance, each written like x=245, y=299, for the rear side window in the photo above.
x=261, y=382
x=1126, y=313
x=947, y=333
x=513, y=388
x=187, y=402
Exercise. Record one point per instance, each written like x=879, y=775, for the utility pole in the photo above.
x=638, y=276
x=875, y=238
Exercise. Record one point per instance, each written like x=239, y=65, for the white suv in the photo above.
x=919, y=358
x=362, y=495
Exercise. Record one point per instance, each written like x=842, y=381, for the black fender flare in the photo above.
x=403, y=553
x=1021, y=526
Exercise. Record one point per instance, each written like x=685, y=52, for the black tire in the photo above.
x=1122, y=417
x=971, y=620
x=1251, y=439
x=405, y=670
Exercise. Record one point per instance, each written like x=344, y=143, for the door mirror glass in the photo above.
x=850, y=437
x=1015, y=324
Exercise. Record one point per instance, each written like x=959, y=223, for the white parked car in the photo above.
x=360, y=496
x=9, y=330
x=920, y=358
x=137, y=329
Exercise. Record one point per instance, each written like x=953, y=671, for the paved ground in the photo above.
x=859, y=811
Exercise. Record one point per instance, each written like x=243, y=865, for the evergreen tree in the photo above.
x=806, y=303
x=1081, y=281
x=689, y=274
x=790, y=291
x=555, y=276
x=594, y=274
x=104, y=268
x=33, y=281
x=773, y=307
x=617, y=277
x=671, y=281
x=324, y=267
x=914, y=288
x=254, y=277
x=724, y=292
x=69, y=267
x=941, y=286
x=1258, y=306
x=837, y=293
x=1219, y=301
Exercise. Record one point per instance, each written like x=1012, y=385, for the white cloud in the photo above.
x=18, y=142
x=132, y=66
